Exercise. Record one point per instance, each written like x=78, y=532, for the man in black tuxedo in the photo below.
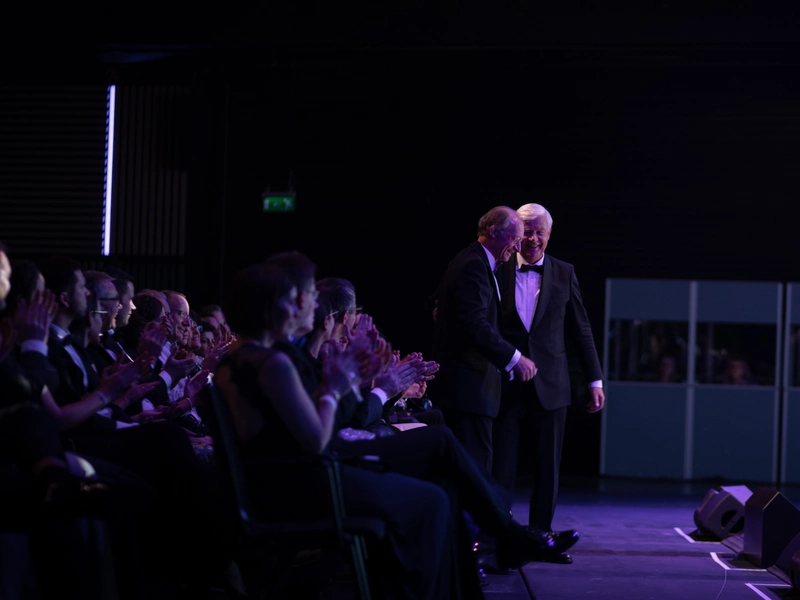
x=467, y=342
x=542, y=308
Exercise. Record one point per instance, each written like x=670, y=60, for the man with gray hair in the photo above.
x=468, y=345
x=542, y=308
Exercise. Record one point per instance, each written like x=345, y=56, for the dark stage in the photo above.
x=630, y=549
x=634, y=546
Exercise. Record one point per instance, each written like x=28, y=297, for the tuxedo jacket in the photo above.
x=559, y=316
x=70, y=386
x=468, y=344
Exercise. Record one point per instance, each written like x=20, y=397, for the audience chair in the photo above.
x=285, y=538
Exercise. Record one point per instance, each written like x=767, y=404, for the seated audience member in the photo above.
x=213, y=314
x=123, y=282
x=207, y=338
x=148, y=309
x=275, y=417
x=353, y=412
x=25, y=280
x=431, y=453
x=158, y=454
x=87, y=332
x=342, y=296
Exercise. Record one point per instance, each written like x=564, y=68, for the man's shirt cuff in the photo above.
x=514, y=360
x=380, y=394
x=167, y=378
x=34, y=346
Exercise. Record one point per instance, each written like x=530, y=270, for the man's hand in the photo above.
x=136, y=394
x=525, y=369
x=152, y=339
x=196, y=383
x=399, y=376
x=213, y=357
x=415, y=390
x=33, y=321
x=598, y=400
x=117, y=378
x=431, y=368
x=179, y=364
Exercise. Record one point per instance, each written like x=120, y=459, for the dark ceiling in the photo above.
x=72, y=39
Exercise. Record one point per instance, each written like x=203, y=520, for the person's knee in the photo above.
x=436, y=505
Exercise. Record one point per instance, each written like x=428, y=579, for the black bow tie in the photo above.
x=66, y=340
x=537, y=268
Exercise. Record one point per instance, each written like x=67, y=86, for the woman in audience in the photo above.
x=275, y=417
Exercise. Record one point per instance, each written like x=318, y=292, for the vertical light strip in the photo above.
x=111, y=111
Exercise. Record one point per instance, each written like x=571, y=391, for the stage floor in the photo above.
x=633, y=547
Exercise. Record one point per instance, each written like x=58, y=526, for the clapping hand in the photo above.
x=33, y=320
x=399, y=375
x=179, y=364
x=153, y=339
x=430, y=369
x=117, y=378
x=196, y=383
x=136, y=393
x=214, y=355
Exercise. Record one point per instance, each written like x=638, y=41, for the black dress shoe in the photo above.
x=530, y=543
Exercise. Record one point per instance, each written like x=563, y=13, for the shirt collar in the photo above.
x=60, y=333
x=521, y=261
x=492, y=261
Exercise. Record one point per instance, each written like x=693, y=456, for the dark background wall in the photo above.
x=662, y=137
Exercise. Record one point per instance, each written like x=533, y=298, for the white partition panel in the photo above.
x=721, y=416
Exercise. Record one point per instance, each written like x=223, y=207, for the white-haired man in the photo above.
x=542, y=308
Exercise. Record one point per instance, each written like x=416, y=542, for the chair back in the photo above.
x=226, y=448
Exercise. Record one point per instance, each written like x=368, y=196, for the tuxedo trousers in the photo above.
x=521, y=413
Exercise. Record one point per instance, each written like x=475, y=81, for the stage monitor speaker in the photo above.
x=721, y=513
x=787, y=567
x=770, y=524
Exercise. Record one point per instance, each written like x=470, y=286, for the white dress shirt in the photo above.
x=526, y=291
x=526, y=296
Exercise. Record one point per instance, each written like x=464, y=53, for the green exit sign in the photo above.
x=278, y=202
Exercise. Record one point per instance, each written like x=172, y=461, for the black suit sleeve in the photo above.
x=580, y=331
x=475, y=291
